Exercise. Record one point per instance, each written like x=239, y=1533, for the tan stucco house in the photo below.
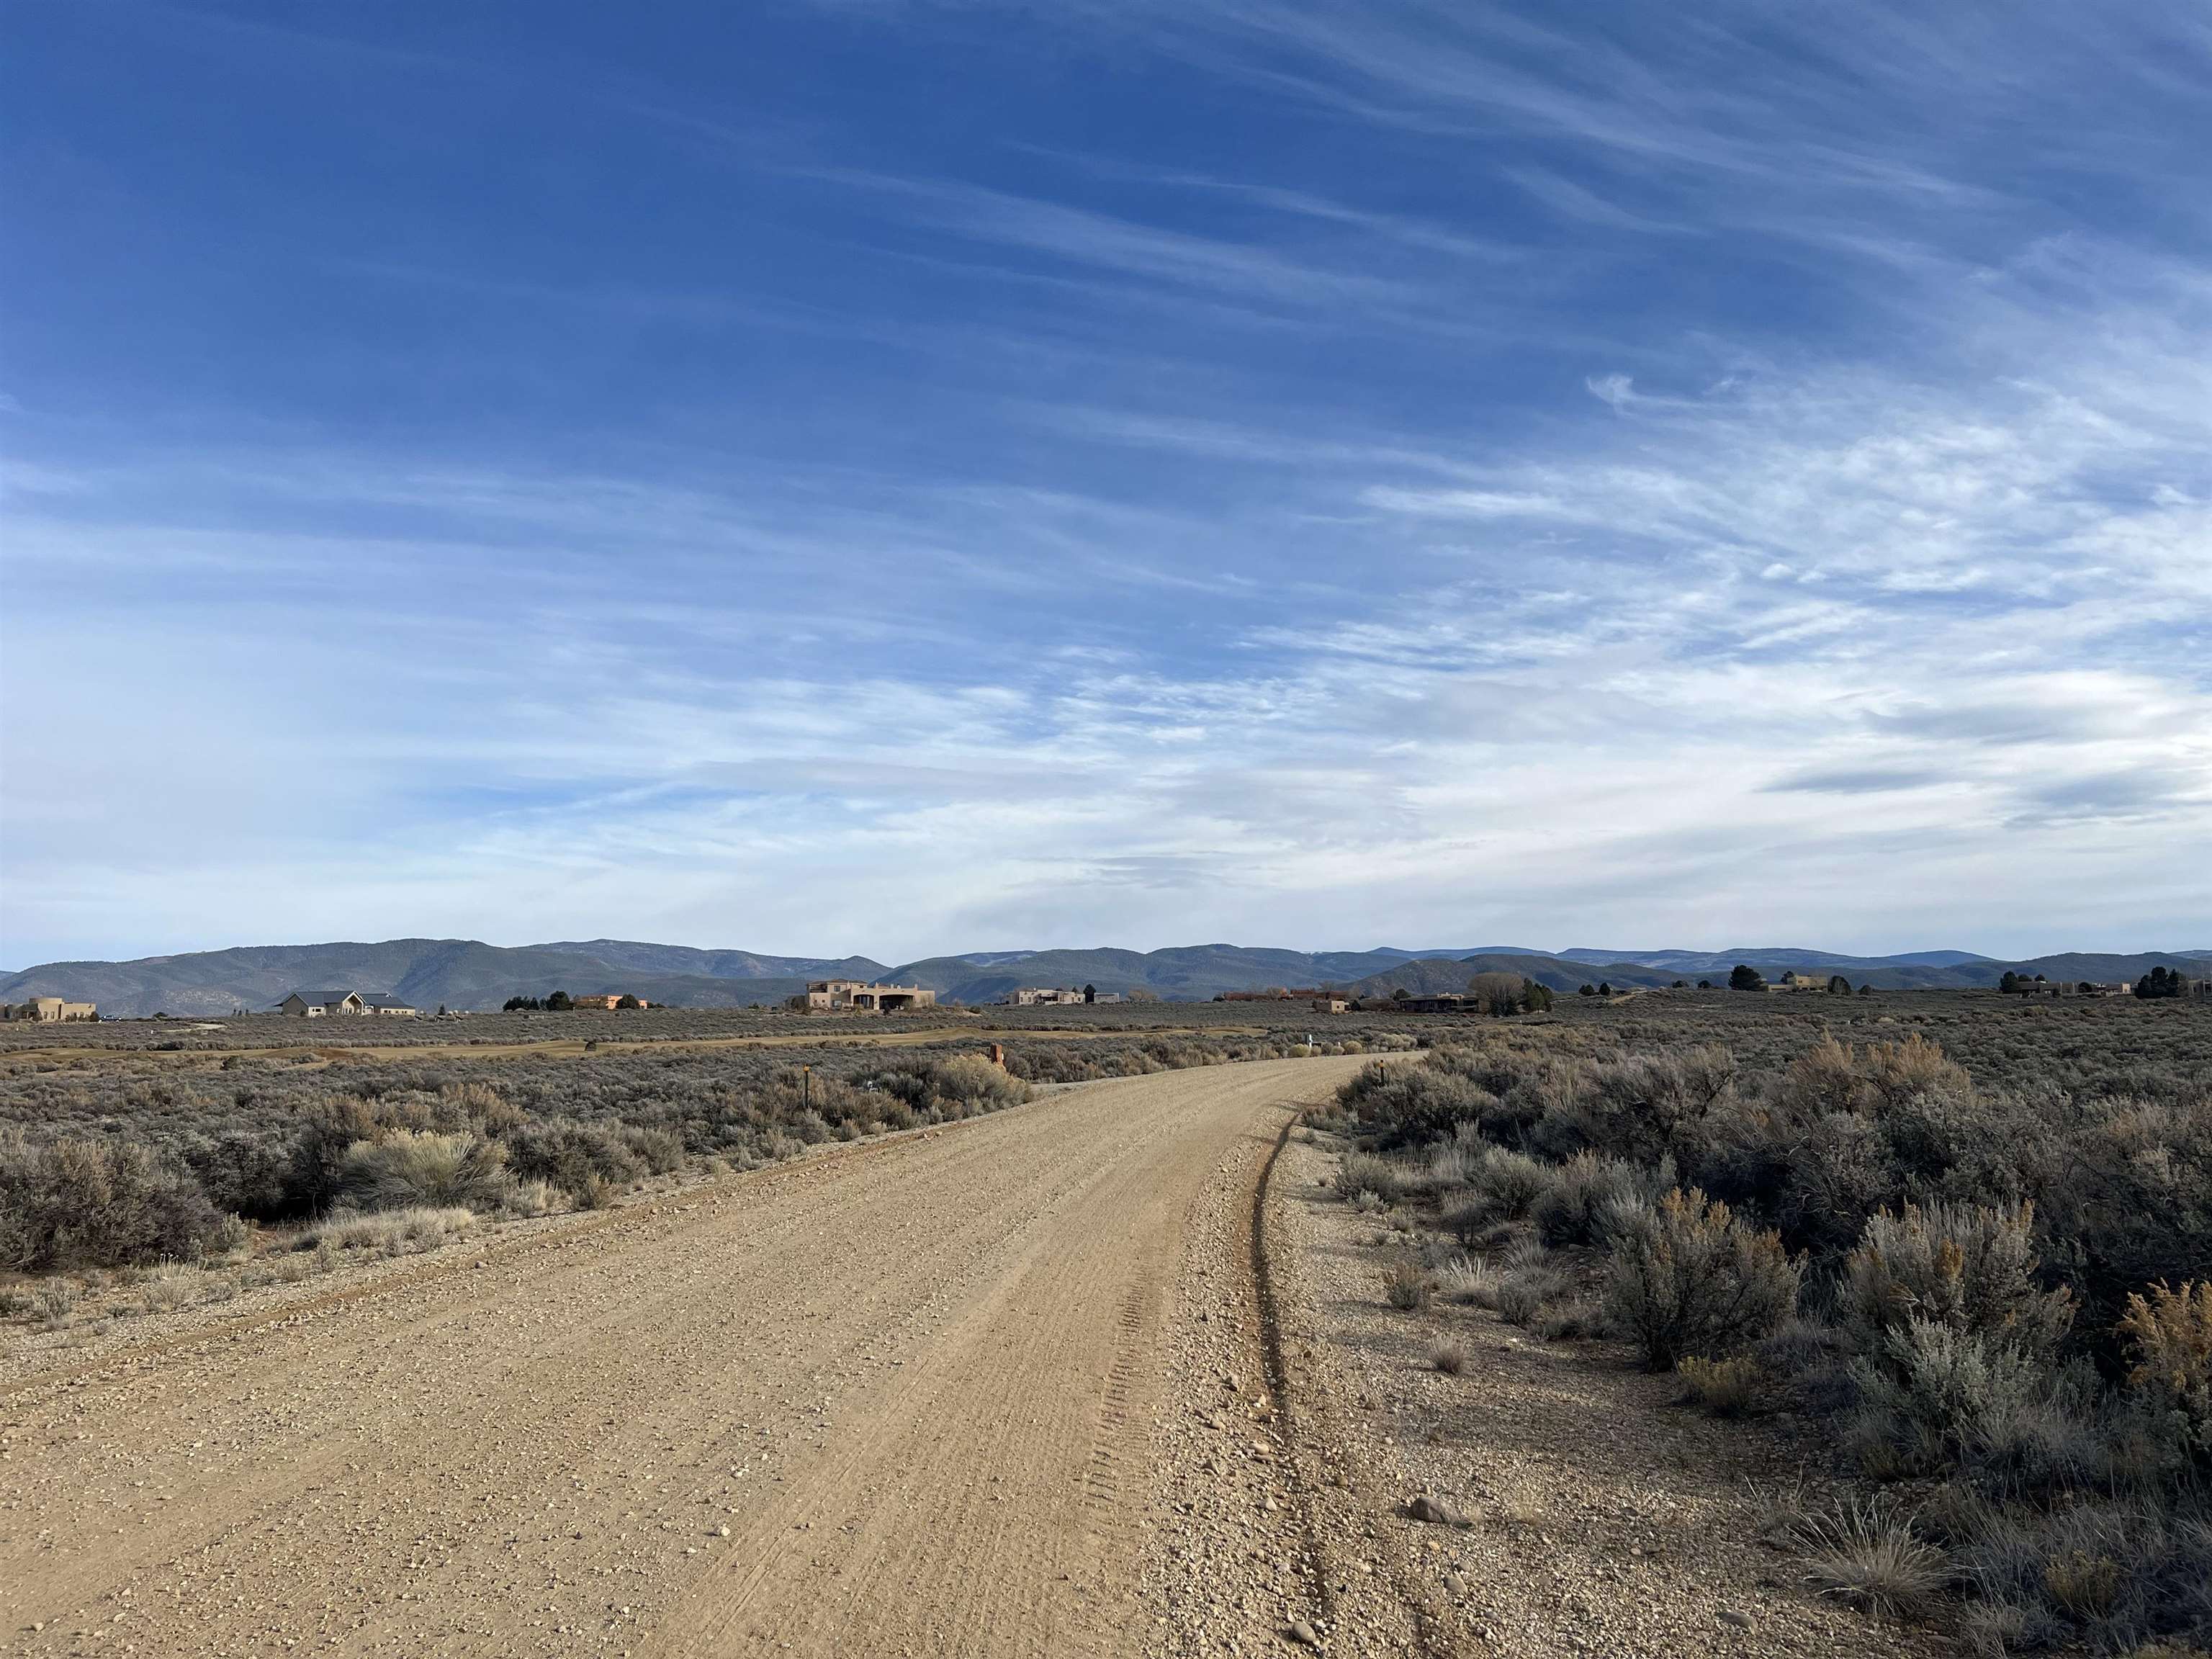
x=49, y=1010
x=855, y=996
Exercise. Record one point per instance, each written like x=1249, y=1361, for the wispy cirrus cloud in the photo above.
x=1343, y=468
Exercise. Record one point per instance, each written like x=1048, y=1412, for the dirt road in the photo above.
x=894, y=1400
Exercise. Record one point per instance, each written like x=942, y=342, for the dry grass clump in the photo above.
x=1735, y=1387
x=1994, y=1629
x=1525, y=1283
x=418, y=1169
x=1406, y=1287
x=1449, y=1356
x=1450, y=1166
x=174, y=1285
x=1870, y=1556
x=528, y=1199
x=1462, y=1278
x=1576, y=1321
x=2085, y=1586
x=1520, y=1297
x=391, y=1232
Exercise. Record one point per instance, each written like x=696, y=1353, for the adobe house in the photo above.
x=49, y=1010
x=855, y=996
x=1047, y=996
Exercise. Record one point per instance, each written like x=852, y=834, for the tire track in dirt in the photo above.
x=891, y=1401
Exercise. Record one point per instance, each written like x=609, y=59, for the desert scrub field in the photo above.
x=1989, y=1284
x=119, y=1159
x=682, y=1025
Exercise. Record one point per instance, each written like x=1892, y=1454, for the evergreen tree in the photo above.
x=1745, y=977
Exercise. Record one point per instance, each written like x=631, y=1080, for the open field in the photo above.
x=249, y=1119
x=650, y=1025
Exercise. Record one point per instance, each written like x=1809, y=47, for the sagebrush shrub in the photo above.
x=1940, y=1395
x=1520, y=1297
x=2169, y=1336
x=1971, y=1267
x=80, y=1204
x=1412, y=1105
x=1505, y=1185
x=568, y=1154
x=1363, y=1172
x=1689, y=1278
x=1582, y=1196
x=971, y=1084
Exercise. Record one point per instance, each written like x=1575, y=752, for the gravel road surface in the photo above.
x=900, y=1398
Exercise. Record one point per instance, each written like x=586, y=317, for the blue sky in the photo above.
x=908, y=477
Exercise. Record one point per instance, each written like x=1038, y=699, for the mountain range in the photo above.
x=468, y=974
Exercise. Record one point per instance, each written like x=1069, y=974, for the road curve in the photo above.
x=893, y=1399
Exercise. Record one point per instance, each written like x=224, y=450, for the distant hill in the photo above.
x=1189, y=973
x=1428, y=978
x=428, y=973
x=469, y=974
x=1764, y=958
x=682, y=960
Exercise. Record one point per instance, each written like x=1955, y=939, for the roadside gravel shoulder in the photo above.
x=1602, y=1519
x=1260, y=1535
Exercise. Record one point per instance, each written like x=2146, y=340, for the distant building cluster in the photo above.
x=1049, y=996
x=1824, y=983
x=855, y=996
x=1323, y=1001
x=318, y=1004
x=611, y=999
x=49, y=1010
